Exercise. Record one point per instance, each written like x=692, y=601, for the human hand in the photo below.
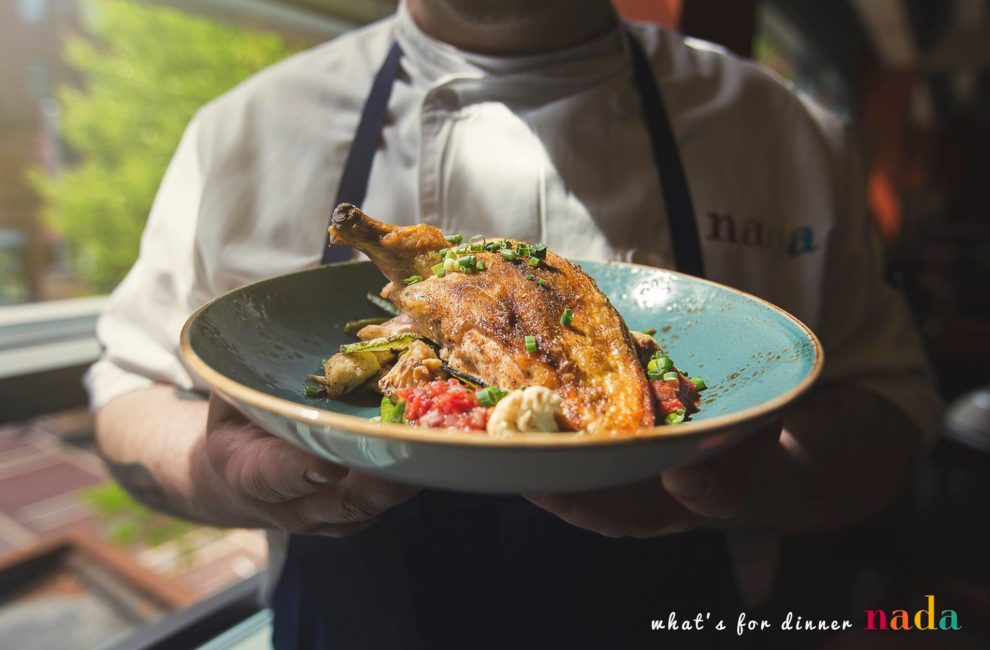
x=275, y=483
x=734, y=488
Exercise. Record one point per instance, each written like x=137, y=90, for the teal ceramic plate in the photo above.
x=256, y=344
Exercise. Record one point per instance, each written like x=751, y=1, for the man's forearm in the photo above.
x=851, y=454
x=153, y=443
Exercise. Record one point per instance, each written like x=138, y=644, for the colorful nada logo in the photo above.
x=923, y=619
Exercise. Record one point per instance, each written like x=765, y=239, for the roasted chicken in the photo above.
x=502, y=322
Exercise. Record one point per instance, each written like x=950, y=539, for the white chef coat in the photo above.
x=547, y=148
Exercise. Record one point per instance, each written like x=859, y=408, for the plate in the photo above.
x=256, y=344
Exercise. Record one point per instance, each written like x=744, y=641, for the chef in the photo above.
x=549, y=121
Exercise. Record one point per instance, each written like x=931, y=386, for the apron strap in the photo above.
x=666, y=159
x=667, y=162
x=354, y=181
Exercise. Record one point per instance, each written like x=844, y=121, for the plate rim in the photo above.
x=353, y=424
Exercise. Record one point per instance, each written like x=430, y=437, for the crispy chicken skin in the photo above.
x=481, y=321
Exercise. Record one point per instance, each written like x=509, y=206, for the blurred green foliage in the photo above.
x=131, y=522
x=145, y=70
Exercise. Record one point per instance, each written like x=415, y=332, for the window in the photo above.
x=70, y=536
x=33, y=11
x=782, y=47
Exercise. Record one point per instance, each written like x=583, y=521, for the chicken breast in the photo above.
x=482, y=321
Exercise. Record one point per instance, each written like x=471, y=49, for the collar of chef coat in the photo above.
x=432, y=61
x=548, y=147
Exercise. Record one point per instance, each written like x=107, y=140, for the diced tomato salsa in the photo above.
x=674, y=396
x=445, y=404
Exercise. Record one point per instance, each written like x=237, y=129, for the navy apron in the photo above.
x=449, y=570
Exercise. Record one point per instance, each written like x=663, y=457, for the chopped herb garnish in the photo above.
x=413, y=279
x=468, y=261
x=443, y=252
x=671, y=376
x=539, y=251
x=508, y=255
x=522, y=250
x=437, y=268
x=530, y=343
x=480, y=265
x=315, y=391
x=675, y=418
x=566, y=317
x=534, y=262
x=541, y=282
x=477, y=238
x=454, y=239
x=393, y=412
x=699, y=383
x=492, y=246
x=659, y=367
x=490, y=396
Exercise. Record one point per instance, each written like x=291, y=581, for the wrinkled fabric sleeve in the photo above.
x=139, y=328
x=865, y=327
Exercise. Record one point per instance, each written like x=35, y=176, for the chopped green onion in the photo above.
x=566, y=317
x=443, y=252
x=539, y=251
x=468, y=261
x=315, y=391
x=541, y=282
x=671, y=376
x=530, y=276
x=675, y=417
x=505, y=243
x=492, y=246
x=413, y=279
x=534, y=262
x=508, y=255
x=530, y=343
x=437, y=268
x=383, y=304
x=699, y=383
x=477, y=247
x=477, y=238
x=454, y=239
x=664, y=363
x=490, y=396
x=463, y=249
x=653, y=371
x=393, y=411
x=395, y=342
x=480, y=265
x=522, y=250
x=354, y=325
